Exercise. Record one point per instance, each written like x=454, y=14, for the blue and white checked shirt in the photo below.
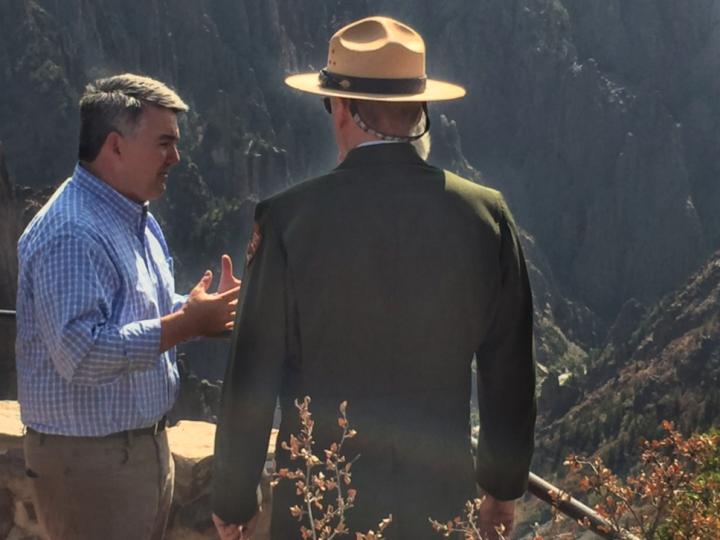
x=95, y=277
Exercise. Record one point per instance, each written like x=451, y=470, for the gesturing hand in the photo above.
x=210, y=313
x=203, y=314
x=227, y=279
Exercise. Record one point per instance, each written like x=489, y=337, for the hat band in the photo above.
x=364, y=85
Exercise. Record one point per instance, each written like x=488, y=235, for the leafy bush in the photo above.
x=674, y=494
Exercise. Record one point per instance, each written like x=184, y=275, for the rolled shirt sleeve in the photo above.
x=75, y=287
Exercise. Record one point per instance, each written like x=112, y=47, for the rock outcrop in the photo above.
x=665, y=367
x=9, y=231
x=199, y=398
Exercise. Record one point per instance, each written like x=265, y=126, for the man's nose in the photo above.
x=173, y=155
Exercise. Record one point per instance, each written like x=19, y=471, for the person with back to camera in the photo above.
x=378, y=283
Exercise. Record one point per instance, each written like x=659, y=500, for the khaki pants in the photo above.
x=93, y=488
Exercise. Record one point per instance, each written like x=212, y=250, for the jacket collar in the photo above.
x=381, y=154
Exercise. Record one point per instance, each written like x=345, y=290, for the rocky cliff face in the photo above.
x=661, y=363
x=665, y=367
x=9, y=231
x=673, y=53
x=596, y=164
x=217, y=54
x=606, y=156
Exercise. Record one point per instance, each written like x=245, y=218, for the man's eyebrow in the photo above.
x=168, y=137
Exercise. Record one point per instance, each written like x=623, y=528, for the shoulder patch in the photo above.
x=254, y=244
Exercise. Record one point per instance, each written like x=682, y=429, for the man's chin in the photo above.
x=159, y=190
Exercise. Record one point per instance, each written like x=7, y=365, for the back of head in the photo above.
x=395, y=121
x=116, y=104
x=400, y=119
x=378, y=64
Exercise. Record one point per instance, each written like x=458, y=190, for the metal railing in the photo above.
x=537, y=486
x=571, y=507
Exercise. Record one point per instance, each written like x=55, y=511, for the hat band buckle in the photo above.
x=366, y=85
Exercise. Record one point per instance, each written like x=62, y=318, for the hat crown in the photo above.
x=377, y=48
x=376, y=59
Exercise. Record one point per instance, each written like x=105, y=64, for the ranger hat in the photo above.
x=378, y=59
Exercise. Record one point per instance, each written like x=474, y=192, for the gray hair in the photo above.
x=398, y=118
x=116, y=104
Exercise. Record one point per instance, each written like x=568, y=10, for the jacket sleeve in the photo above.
x=506, y=376
x=252, y=380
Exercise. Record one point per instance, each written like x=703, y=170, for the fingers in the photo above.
x=230, y=293
x=226, y=265
x=211, y=314
x=247, y=529
x=205, y=281
x=227, y=279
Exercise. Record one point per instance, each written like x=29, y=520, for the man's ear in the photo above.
x=341, y=108
x=112, y=148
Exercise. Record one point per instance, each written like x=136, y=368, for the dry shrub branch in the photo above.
x=321, y=480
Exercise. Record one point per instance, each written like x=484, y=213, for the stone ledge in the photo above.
x=11, y=428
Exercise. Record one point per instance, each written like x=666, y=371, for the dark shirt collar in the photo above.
x=129, y=211
x=381, y=154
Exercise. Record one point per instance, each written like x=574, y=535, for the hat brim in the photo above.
x=434, y=90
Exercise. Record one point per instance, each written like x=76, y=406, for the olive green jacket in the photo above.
x=376, y=284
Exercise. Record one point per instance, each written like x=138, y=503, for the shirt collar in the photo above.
x=373, y=143
x=131, y=212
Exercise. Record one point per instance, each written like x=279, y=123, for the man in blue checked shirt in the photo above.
x=98, y=320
